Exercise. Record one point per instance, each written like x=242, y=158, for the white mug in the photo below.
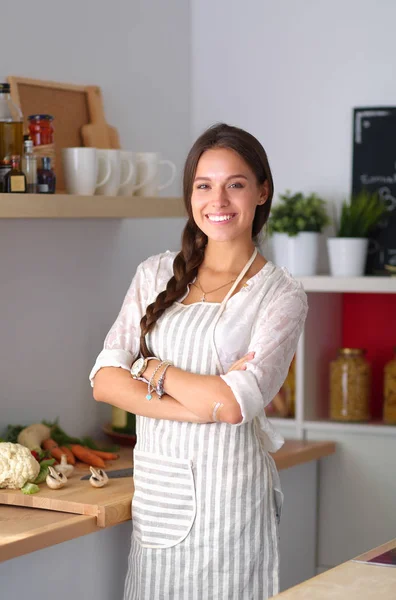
x=129, y=186
x=80, y=170
x=115, y=181
x=148, y=166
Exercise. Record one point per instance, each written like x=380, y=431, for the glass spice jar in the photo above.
x=350, y=386
x=41, y=131
x=390, y=391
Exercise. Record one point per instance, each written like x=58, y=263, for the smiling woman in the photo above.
x=209, y=333
x=226, y=193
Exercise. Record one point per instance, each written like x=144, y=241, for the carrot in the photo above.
x=69, y=455
x=53, y=448
x=104, y=455
x=87, y=456
x=49, y=444
x=56, y=453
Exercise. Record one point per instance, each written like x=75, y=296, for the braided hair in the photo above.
x=187, y=262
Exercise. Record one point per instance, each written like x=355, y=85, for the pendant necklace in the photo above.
x=203, y=299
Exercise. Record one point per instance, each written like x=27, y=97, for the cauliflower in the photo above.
x=17, y=466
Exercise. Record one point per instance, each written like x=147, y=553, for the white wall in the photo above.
x=62, y=282
x=290, y=72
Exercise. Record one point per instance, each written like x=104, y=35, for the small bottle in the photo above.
x=122, y=421
x=15, y=180
x=29, y=167
x=46, y=179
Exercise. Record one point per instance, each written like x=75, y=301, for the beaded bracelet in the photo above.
x=151, y=387
x=160, y=385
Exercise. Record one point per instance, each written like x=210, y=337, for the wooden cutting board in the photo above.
x=110, y=504
x=98, y=133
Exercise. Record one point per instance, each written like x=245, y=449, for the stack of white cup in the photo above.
x=89, y=171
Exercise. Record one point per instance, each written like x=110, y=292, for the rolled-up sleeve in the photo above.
x=121, y=345
x=274, y=340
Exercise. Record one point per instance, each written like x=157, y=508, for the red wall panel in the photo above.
x=369, y=321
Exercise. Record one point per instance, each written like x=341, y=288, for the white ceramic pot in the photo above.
x=347, y=256
x=299, y=254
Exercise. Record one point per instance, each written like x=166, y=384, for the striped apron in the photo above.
x=205, y=515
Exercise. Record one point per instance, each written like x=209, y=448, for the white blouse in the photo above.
x=266, y=316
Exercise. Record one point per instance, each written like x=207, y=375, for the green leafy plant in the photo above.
x=359, y=216
x=296, y=213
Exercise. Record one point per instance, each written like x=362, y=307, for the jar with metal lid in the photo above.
x=41, y=131
x=350, y=386
x=390, y=391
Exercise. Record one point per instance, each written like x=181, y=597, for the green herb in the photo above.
x=12, y=432
x=63, y=439
x=296, y=213
x=360, y=215
x=44, y=470
x=30, y=488
x=43, y=455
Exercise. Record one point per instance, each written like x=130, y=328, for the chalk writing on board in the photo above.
x=365, y=114
x=374, y=169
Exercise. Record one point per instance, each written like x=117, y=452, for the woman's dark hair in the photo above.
x=189, y=259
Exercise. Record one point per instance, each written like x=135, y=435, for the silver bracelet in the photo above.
x=160, y=385
x=217, y=406
x=150, y=387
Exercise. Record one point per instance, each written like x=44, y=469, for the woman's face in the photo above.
x=225, y=195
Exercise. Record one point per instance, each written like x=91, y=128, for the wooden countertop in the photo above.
x=296, y=452
x=352, y=581
x=24, y=530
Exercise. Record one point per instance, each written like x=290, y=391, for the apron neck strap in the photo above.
x=241, y=276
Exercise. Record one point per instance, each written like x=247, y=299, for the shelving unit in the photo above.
x=322, y=336
x=367, y=284
x=374, y=428
x=65, y=206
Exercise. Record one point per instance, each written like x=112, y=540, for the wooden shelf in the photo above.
x=282, y=422
x=374, y=428
x=64, y=206
x=366, y=284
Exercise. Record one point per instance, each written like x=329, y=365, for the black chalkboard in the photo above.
x=374, y=168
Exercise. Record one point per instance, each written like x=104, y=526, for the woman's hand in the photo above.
x=240, y=365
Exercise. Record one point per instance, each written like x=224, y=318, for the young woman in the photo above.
x=207, y=498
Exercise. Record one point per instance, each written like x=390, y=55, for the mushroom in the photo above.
x=98, y=478
x=64, y=467
x=55, y=480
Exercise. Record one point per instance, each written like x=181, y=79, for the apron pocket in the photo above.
x=164, y=502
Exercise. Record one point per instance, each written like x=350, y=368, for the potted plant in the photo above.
x=348, y=249
x=295, y=225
